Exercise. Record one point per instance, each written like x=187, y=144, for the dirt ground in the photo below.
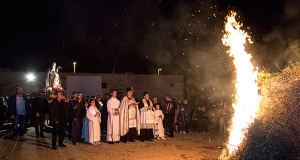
x=190, y=146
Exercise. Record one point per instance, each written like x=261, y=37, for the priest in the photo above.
x=147, y=118
x=129, y=118
x=113, y=121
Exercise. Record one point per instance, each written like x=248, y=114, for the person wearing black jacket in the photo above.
x=78, y=111
x=40, y=108
x=104, y=113
x=2, y=111
x=72, y=102
x=181, y=119
x=202, y=120
x=205, y=121
x=170, y=114
x=59, y=115
x=188, y=110
x=18, y=107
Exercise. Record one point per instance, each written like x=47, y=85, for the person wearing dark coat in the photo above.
x=2, y=110
x=40, y=108
x=187, y=110
x=59, y=115
x=18, y=107
x=181, y=119
x=78, y=111
x=202, y=120
x=73, y=100
x=104, y=113
x=170, y=115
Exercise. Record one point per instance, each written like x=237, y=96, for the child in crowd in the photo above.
x=94, y=119
x=158, y=123
x=85, y=125
x=181, y=118
x=202, y=120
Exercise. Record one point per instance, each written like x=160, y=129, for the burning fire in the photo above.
x=246, y=98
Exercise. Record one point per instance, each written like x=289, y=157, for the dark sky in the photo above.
x=142, y=35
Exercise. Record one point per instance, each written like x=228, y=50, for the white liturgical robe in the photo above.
x=129, y=116
x=158, y=127
x=94, y=124
x=144, y=115
x=113, y=120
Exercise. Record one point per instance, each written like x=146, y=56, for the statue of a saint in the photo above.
x=50, y=77
x=56, y=83
x=53, y=82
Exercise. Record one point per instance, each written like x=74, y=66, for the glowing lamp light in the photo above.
x=30, y=77
x=158, y=71
x=74, y=63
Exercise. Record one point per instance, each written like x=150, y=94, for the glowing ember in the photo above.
x=246, y=98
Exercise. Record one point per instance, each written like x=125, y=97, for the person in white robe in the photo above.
x=146, y=118
x=85, y=125
x=94, y=119
x=113, y=120
x=129, y=118
x=159, y=132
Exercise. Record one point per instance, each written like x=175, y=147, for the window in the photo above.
x=104, y=85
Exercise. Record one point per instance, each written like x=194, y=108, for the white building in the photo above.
x=97, y=83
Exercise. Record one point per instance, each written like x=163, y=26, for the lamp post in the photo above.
x=74, y=66
x=30, y=77
x=158, y=71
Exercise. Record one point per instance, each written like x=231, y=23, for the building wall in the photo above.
x=156, y=85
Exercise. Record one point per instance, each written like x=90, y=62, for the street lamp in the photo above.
x=30, y=77
x=74, y=66
x=158, y=71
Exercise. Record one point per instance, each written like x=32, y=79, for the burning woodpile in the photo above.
x=275, y=132
x=246, y=101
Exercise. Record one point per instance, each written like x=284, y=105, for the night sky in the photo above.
x=141, y=36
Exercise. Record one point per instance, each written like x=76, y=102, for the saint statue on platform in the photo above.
x=53, y=81
x=57, y=83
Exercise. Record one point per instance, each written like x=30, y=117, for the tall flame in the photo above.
x=246, y=98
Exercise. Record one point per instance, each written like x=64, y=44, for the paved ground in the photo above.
x=190, y=146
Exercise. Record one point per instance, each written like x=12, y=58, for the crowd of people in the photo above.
x=125, y=120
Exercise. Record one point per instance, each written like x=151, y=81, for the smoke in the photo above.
x=291, y=9
x=183, y=39
x=281, y=44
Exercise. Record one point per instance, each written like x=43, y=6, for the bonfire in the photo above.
x=246, y=100
x=275, y=134
x=264, y=126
